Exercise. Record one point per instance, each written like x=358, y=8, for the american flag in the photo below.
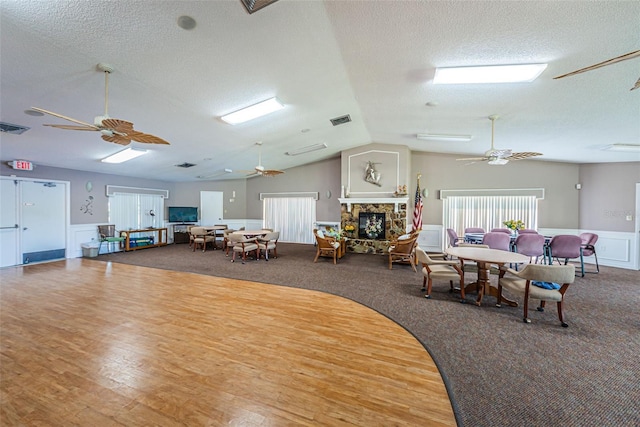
x=417, y=209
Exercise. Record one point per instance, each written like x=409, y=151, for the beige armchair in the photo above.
x=439, y=269
x=201, y=238
x=242, y=245
x=521, y=282
x=269, y=242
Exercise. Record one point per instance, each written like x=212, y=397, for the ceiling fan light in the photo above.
x=124, y=155
x=444, y=137
x=523, y=73
x=498, y=162
x=253, y=111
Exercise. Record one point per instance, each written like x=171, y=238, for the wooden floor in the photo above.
x=89, y=343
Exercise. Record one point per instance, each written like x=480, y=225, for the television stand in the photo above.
x=181, y=232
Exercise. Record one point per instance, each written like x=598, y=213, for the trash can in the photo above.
x=90, y=250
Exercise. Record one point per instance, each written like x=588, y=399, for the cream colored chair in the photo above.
x=243, y=245
x=522, y=282
x=268, y=243
x=439, y=269
x=201, y=238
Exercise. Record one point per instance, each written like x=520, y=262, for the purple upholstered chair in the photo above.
x=501, y=230
x=565, y=246
x=473, y=230
x=527, y=231
x=497, y=240
x=529, y=244
x=453, y=237
x=589, y=248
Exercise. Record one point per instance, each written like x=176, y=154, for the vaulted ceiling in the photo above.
x=371, y=60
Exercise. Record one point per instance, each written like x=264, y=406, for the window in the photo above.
x=136, y=211
x=292, y=216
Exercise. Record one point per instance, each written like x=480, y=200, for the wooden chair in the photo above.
x=201, y=238
x=403, y=250
x=521, y=282
x=439, y=269
x=326, y=246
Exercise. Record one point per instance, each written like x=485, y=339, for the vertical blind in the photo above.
x=134, y=211
x=292, y=216
x=489, y=212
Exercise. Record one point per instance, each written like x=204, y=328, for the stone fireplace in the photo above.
x=391, y=213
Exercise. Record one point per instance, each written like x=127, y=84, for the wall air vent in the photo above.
x=14, y=129
x=256, y=5
x=186, y=165
x=341, y=120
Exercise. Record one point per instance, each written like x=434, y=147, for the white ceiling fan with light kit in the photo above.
x=500, y=156
x=113, y=130
x=260, y=170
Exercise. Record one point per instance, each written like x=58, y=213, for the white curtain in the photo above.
x=293, y=217
x=489, y=211
x=136, y=211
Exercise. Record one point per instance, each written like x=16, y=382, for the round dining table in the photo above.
x=484, y=259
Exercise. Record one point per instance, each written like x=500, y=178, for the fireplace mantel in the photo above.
x=374, y=200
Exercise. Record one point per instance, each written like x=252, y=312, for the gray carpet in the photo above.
x=498, y=370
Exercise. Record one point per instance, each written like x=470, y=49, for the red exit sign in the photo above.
x=22, y=165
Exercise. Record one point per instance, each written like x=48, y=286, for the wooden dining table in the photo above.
x=484, y=259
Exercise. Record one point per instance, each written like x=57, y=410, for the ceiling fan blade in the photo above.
x=116, y=138
x=117, y=125
x=620, y=58
x=146, y=138
x=271, y=172
x=474, y=159
x=523, y=155
x=636, y=86
x=72, y=127
x=66, y=118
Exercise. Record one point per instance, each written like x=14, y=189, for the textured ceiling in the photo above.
x=372, y=60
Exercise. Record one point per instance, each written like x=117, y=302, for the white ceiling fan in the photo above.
x=112, y=130
x=259, y=169
x=617, y=59
x=495, y=156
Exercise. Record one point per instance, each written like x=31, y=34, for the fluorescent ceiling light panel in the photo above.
x=308, y=149
x=623, y=147
x=124, y=155
x=489, y=74
x=254, y=111
x=444, y=137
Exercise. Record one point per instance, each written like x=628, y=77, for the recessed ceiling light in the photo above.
x=444, y=137
x=124, y=155
x=489, y=74
x=623, y=147
x=253, y=111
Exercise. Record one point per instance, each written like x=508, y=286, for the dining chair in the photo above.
x=201, y=238
x=326, y=246
x=589, y=248
x=454, y=240
x=529, y=244
x=439, y=269
x=268, y=243
x=502, y=230
x=108, y=235
x=497, y=240
x=565, y=246
x=403, y=250
x=474, y=230
x=243, y=245
x=540, y=282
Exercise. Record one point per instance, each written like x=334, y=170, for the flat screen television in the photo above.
x=183, y=214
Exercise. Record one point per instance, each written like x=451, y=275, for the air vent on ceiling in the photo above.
x=186, y=165
x=341, y=120
x=14, y=129
x=256, y=5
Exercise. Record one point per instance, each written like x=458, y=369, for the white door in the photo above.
x=211, y=206
x=43, y=221
x=9, y=231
